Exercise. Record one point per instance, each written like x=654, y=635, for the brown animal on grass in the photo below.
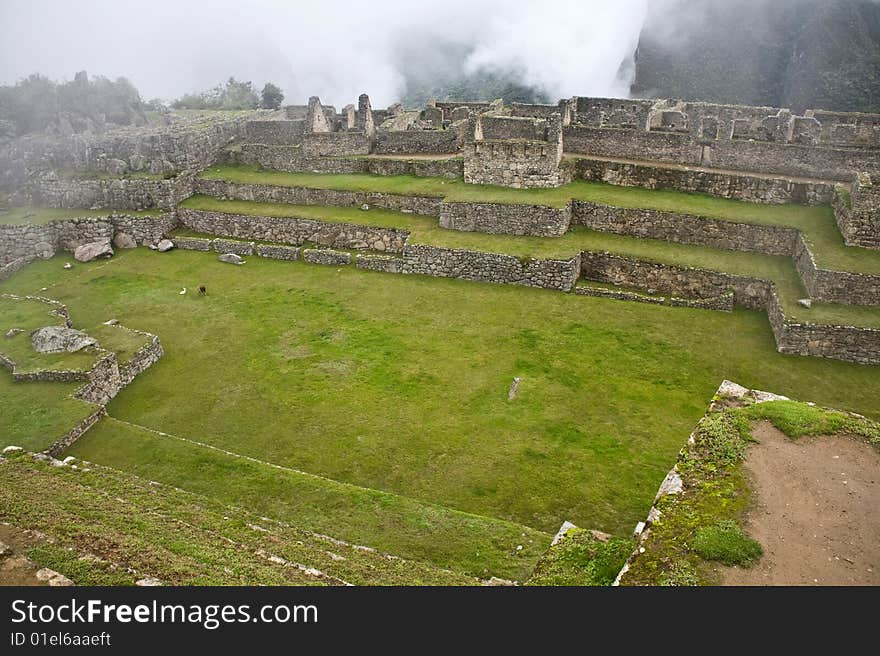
x=202, y=290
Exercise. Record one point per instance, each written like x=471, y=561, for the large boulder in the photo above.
x=124, y=240
x=165, y=245
x=95, y=249
x=60, y=339
x=44, y=250
x=231, y=258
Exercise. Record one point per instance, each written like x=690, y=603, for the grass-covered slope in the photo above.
x=94, y=514
x=390, y=522
x=359, y=377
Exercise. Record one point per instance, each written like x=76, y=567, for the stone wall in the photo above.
x=858, y=215
x=307, y=196
x=326, y=256
x=275, y=132
x=848, y=343
x=14, y=266
x=681, y=282
x=499, y=218
x=473, y=265
x=70, y=437
x=402, y=142
x=834, y=286
x=722, y=303
x=753, y=188
x=636, y=145
x=294, y=231
x=289, y=253
x=189, y=144
x=118, y=194
x=18, y=241
x=244, y=248
x=685, y=228
x=336, y=144
x=742, y=155
x=291, y=158
x=517, y=164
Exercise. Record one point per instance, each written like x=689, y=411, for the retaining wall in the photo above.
x=499, y=218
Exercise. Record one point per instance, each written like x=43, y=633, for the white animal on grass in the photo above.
x=182, y=291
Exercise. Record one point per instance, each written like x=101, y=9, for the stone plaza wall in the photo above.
x=290, y=158
x=518, y=164
x=752, y=188
x=308, y=196
x=294, y=231
x=412, y=142
x=336, y=144
x=741, y=155
x=116, y=194
x=275, y=132
x=636, y=145
x=685, y=228
x=500, y=218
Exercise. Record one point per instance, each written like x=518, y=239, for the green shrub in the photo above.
x=681, y=574
x=726, y=543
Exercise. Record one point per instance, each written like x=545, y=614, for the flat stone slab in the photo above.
x=60, y=339
x=93, y=250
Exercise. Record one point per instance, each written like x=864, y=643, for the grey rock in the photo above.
x=4, y=549
x=365, y=207
x=160, y=166
x=44, y=250
x=111, y=322
x=231, y=258
x=117, y=166
x=805, y=302
x=165, y=245
x=12, y=332
x=124, y=240
x=95, y=249
x=60, y=339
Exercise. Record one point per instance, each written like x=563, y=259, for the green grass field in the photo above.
x=395, y=389
x=817, y=223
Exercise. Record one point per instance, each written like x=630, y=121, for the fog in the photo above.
x=331, y=48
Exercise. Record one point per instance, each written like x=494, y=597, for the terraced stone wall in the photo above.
x=752, y=188
x=18, y=241
x=858, y=215
x=306, y=196
x=130, y=194
x=835, y=286
x=291, y=158
x=685, y=228
x=403, y=142
x=294, y=231
x=499, y=218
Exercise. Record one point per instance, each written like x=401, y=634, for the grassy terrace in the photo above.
x=178, y=537
x=426, y=230
x=42, y=215
x=356, y=376
x=817, y=223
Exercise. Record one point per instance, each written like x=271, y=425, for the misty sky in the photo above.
x=331, y=48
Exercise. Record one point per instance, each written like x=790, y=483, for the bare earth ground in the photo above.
x=14, y=568
x=816, y=511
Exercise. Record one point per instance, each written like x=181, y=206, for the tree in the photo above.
x=271, y=96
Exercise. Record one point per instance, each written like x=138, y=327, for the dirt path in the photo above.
x=816, y=511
